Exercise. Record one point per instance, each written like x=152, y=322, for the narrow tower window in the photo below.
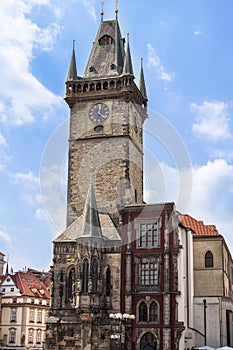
x=108, y=282
x=143, y=312
x=85, y=276
x=153, y=317
x=94, y=275
x=209, y=262
x=70, y=285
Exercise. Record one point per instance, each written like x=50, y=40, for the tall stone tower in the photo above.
x=107, y=111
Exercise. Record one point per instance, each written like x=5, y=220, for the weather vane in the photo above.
x=102, y=12
x=116, y=10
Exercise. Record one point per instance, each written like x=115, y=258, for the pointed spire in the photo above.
x=142, y=84
x=102, y=12
x=7, y=266
x=116, y=10
x=128, y=66
x=72, y=73
x=91, y=222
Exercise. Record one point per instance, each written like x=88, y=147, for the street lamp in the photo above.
x=121, y=320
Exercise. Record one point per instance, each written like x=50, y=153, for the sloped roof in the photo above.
x=31, y=285
x=72, y=73
x=74, y=231
x=198, y=227
x=103, y=56
x=91, y=222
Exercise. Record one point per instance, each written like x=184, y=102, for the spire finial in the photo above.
x=102, y=12
x=116, y=10
x=73, y=43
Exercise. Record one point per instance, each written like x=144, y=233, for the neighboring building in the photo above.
x=25, y=303
x=212, y=284
x=150, y=283
x=2, y=263
x=185, y=286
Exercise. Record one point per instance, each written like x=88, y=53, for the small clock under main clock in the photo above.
x=99, y=112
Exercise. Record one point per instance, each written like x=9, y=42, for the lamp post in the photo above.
x=121, y=320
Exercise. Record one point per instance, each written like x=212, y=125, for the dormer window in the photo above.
x=112, y=66
x=92, y=69
x=106, y=40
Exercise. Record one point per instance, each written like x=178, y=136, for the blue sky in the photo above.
x=187, y=49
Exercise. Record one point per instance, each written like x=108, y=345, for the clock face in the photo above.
x=99, y=113
x=135, y=122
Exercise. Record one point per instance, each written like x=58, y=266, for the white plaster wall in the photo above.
x=186, y=288
x=212, y=321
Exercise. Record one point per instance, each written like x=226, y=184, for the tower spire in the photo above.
x=102, y=12
x=128, y=66
x=116, y=10
x=142, y=84
x=91, y=222
x=72, y=73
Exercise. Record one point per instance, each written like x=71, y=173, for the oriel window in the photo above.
x=149, y=235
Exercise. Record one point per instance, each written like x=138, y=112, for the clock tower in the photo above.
x=105, y=173
x=107, y=112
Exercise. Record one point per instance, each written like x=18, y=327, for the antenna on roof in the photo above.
x=116, y=10
x=102, y=12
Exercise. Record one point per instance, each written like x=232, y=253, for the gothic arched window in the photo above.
x=153, y=312
x=70, y=285
x=209, y=261
x=94, y=275
x=142, y=312
x=108, y=282
x=148, y=342
x=85, y=275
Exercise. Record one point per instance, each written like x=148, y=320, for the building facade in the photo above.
x=212, y=303
x=24, y=307
x=150, y=287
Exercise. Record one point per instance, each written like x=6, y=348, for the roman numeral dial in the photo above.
x=98, y=113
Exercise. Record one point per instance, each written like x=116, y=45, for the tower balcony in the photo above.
x=104, y=88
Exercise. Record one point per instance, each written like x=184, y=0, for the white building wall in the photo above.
x=212, y=321
x=186, y=288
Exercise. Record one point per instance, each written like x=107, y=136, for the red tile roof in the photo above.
x=199, y=228
x=31, y=285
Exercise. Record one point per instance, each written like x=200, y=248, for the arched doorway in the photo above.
x=148, y=342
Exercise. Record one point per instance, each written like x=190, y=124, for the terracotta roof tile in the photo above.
x=198, y=227
x=31, y=285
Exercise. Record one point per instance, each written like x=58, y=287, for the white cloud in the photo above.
x=28, y=179
x=211, y=120
x=41, y=215
x=89, y=6
x=197, y=33
x=212, y=193
x=4, y=236
x=155, y=62
x=2, y=140
x=53, y=196
x=22, y=95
